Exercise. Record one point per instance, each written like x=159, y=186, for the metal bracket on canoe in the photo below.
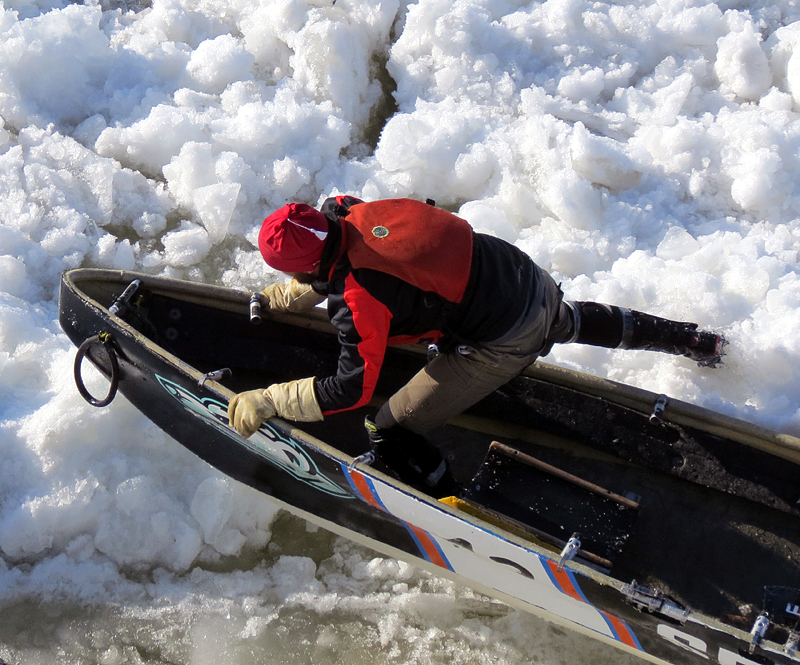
x=367, y=459
x=758, y=631
x=570, y=550
x=255, y=309
x=792, y=643
x=655, y=602
x=105, y=339
x=122, y=300
x=216, y=375
x=658, y=409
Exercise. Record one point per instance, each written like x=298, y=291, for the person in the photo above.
x=398, y=271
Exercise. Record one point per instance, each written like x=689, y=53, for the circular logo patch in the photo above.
x=380, y=231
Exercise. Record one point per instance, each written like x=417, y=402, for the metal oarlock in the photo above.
x=570, y=550
x=758, y=631
x=654, y=601
x=216, y=375
x=792, y=642
x=123, y=298
x=367, y=459
x=658, y=409
x=255, y=309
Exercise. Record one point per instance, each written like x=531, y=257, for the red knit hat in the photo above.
x=292, y=238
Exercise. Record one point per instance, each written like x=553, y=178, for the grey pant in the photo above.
x=452, y=382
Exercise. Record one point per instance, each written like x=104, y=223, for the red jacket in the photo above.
x=407, y=272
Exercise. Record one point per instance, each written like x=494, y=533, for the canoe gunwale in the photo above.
x=783, y=445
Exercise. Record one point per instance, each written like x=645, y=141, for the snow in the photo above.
x=645, y=153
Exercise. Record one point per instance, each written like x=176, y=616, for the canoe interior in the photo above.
x=708, y=521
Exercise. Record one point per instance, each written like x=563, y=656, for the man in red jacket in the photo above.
x=401, y=271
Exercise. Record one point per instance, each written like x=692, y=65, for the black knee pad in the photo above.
x=601, y=325
x=409, y=454
x=413, y=458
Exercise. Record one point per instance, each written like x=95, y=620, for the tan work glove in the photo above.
x=247, y=410
x=291, y=297
x=294, y=400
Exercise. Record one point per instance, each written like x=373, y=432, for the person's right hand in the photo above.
x=247, y=410
x=290, y=296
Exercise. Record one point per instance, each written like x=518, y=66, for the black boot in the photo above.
x=414, y=459
x=679, y=338
x=621, y=328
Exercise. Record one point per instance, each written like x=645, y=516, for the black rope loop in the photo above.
x=105, y=339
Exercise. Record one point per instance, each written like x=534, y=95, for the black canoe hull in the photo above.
x=191, y=328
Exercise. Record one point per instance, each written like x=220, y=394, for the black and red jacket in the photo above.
x=405, y=271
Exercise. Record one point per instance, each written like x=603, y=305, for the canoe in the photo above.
x=665, y=529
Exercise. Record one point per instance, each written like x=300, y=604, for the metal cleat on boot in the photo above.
x=706, y=348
